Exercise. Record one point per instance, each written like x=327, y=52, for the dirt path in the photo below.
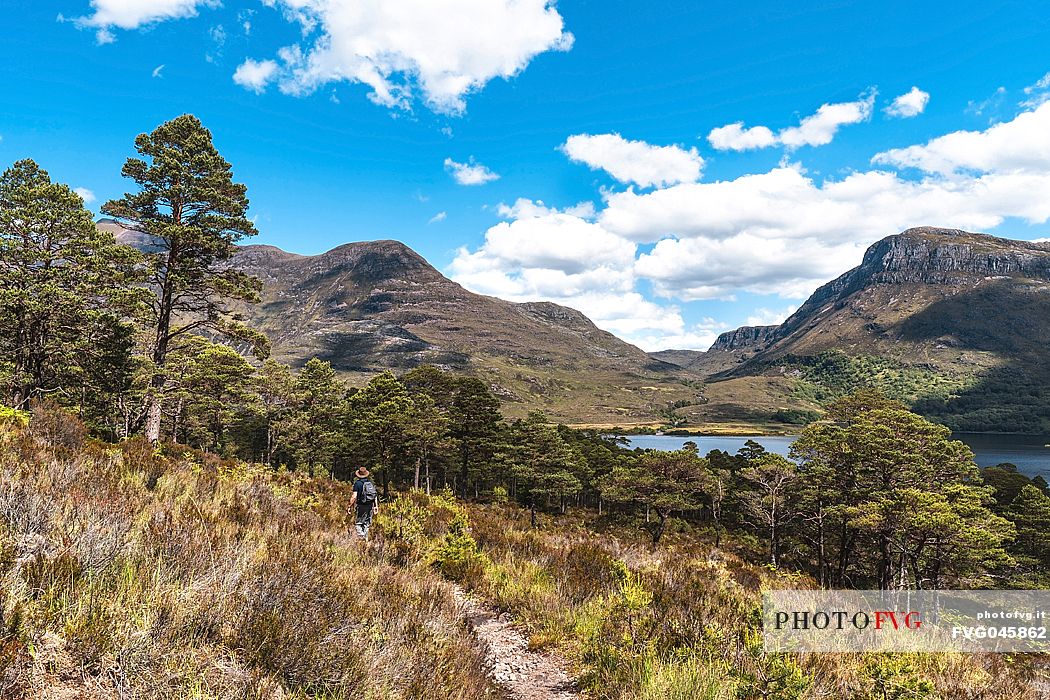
x=523, y=674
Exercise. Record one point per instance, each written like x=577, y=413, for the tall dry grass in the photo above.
x=683, y=622
x=133, y=573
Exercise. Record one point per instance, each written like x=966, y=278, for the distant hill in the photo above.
x=954, y=323
x=376, y=305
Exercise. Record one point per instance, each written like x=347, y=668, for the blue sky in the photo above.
x=355, y=120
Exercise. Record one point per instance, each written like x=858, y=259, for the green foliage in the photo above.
x=893, y=677
x=833, y=374
x=1030, y=514
x=544, y=465
x=12, y=416
x=457, y=556
x=890, y=482
x=666, y=482
x=63, y=286
x=194, y=213
x=795, y=416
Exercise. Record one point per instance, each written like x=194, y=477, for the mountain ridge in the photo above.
x=961, y=312
x=370, y=306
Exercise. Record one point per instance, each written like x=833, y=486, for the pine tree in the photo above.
x=194, y=212
x=887, y=481
x=274, y=403
x=61, y=282
x=474, y=424
x=211, y=392
x=313, y=427
x=544, y=465
x=665, y=482
x=1030, y=512
x=773, y=477
x=379, y=415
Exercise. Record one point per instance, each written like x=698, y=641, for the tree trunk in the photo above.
x=885, y=563
x=153, y=415
x=466, y=472
x=660, y=525
x=415, y=482
x=532, y=511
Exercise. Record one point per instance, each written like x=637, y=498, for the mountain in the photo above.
x=954, y=323
x=377, y=305
x=728, y=350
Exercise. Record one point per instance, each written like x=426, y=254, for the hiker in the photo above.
x=366, y=498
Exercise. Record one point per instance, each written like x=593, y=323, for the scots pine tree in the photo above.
x=63, y=283
x=194, y=213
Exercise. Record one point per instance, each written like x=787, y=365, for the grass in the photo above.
x=682, y=621
x=137, y=574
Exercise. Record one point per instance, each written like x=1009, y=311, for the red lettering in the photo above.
x=883, y=615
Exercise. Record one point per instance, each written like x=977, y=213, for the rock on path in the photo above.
x=523, y=674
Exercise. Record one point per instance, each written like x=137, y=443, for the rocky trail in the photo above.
x=522, y=674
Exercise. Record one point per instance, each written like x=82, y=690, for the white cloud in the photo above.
x=990, y=104
x=734, y=137
x=818, y=129
x=555, y=243
x=910, y=104
x=470, y=173
x=132, y=14
x=703, y=268
x=565, y=259
x=244, y=17
x=680, y=337
x=1041, y=84
x=635, y=161
x=158, y=72
x=87, y=195
x=769, y=317
x=528, y=208
x=436, y=51
x=1021, y=145
x=1037, y=93
x=255, y=75
x=438, y=218
x=780, y=232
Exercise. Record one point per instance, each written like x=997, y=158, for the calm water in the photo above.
x=1028, y=452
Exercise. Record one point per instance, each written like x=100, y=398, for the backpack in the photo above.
x=368, y=492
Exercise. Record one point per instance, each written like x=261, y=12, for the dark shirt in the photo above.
x=362, y=508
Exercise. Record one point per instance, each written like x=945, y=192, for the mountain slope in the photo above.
x=954, y=322
x=377, y=305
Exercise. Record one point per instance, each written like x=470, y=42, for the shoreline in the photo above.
x=745, y=430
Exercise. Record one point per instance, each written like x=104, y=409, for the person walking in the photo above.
x=364, y=503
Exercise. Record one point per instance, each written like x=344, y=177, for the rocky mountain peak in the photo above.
x=949, y=256
x=745, y=338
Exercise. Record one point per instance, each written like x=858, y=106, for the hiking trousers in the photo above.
x=363, y=523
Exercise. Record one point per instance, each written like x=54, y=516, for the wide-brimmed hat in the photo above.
x=361, y=473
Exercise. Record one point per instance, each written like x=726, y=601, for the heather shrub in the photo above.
x=138, y=572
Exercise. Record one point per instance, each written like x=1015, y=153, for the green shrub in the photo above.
x=457, y=556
